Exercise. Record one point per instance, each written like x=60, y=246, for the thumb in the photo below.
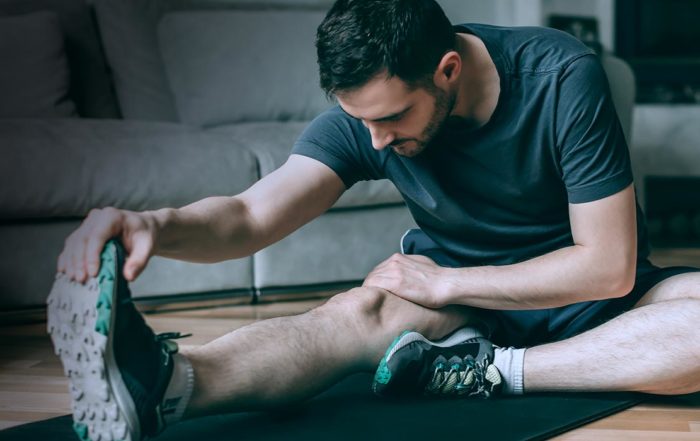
x=138, y=257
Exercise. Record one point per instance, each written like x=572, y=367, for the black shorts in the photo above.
x=526, y=328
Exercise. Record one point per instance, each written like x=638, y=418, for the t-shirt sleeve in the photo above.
x=594, y=157
x=340, y=142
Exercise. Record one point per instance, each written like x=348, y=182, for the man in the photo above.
x=506, y=147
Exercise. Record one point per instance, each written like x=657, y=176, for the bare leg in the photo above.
x=654, y=348
x=288, y=359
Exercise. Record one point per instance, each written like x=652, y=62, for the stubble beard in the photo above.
x=444, y=103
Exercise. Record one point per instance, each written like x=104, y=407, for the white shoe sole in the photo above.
x=459, y=336
x=103, y=409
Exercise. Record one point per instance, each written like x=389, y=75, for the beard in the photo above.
x=410, y=147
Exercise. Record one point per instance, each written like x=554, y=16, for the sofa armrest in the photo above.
x=63, y=168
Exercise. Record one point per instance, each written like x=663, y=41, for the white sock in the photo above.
x=179, y=390
x=509, y=362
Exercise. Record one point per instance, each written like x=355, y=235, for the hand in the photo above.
x=80, y=258
x=412, y=277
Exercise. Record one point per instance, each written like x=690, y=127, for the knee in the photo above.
x=359, y=304
x=376, y=311
x=681, y=287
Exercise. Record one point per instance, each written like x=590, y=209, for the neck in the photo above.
x=479, y=83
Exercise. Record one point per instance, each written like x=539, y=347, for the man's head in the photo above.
x=385, y=61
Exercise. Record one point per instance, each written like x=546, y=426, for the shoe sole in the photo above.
x=383, y=374
x=80, y=320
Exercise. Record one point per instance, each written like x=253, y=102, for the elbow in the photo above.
x=619, y=279
x=621, y=285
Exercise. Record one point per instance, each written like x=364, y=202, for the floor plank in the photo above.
x=626, y=435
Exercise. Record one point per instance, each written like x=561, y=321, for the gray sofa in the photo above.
x=155, y=103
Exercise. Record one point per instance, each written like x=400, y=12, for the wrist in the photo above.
x=462, y=286
x=449, y=287
x=157, y=222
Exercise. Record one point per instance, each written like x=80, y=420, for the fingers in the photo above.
x=141, y=249
x=77, y=261
x=92, y=252
x=70, y=260
x=63, y=259
x=80, y=257
x=107, y=224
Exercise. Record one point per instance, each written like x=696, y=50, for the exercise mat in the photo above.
x=349, y=411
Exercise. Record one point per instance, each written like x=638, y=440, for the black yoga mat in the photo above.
x=349, y=411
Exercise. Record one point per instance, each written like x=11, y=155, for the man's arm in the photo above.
x=220, y=228
x=210, y=230
x=601, y=264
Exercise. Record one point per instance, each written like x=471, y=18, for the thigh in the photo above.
x=684, y=285
x=652, y=284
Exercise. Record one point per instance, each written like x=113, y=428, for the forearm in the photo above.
x=209, y=230
x=220, y=228
x=565, y=276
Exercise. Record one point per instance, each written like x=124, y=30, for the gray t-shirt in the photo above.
x=499, y=194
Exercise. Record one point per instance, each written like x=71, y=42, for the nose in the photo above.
x=380, y=138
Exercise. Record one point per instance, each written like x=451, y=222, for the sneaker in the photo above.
x=458, y=365
x=117, y=367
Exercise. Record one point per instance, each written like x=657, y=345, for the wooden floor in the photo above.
x=32, y=385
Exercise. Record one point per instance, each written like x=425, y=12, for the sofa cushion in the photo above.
x=34, y=77
x=271, y=143
x=30, y=251
x=90, y=83
x=129, y=35
x=340, y=246
x=63, y=168
x=233, y=66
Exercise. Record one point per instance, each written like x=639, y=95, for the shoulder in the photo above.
x=334, y=123
x=344, y=144
x=531, y=50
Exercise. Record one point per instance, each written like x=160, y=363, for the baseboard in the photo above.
x=299, y=292
x=200, y=300
x=146, y=305
x=25, y=316
x=205, y=300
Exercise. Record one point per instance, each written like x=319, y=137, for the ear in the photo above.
x=448, y=69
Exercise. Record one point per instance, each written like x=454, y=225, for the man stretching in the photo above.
x=506, y=147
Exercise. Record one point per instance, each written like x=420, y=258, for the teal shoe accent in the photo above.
x=106, y=279
x=82, y=431
x=383, y=374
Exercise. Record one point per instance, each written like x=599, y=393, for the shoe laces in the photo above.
x=168, y=345
x=463, y=376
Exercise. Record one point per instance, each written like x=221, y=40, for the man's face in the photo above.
x=397, y=117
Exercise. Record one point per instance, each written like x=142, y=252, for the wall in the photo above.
x=532, y=13
x=602, y=10
x=665, y=141
x=498, y=12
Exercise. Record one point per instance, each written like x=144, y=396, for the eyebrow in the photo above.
x=383, y=118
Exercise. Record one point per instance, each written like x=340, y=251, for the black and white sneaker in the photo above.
x=117, y=367
x=458, y=365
